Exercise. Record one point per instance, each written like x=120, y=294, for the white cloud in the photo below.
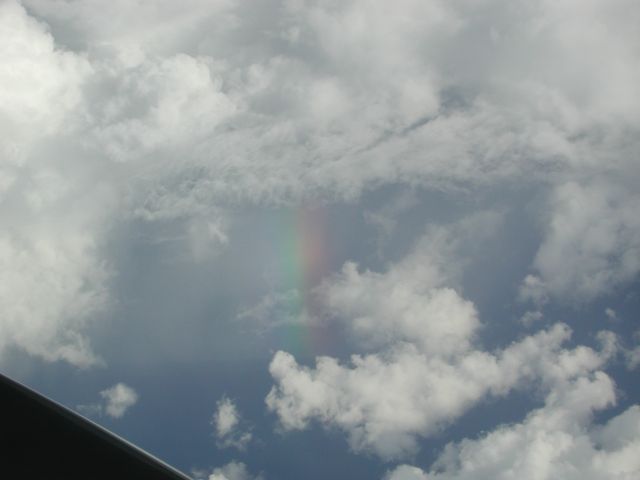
x=118, y=399
x=39, y=84
x=229, y=427
x=413, y=300
x=531, y=317
x=233, y=471
x=558, y=440
x=384, y=402
x=52, y=275
x=633, y=358
x=461, y=107
x=186, y=110
x=632, y=354
x=592, y=244
x=430, y=369
x=51, y=285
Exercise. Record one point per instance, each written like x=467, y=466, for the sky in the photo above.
x=287, y=239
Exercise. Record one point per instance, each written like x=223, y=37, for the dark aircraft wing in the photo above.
x=42, y=439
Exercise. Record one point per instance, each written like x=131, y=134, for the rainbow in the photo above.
x=300, y=242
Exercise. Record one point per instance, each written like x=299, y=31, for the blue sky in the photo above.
x=298, y=239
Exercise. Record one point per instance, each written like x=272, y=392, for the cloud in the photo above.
x=244, y=99
x=183, y=114
x=633, y=358
x=559, y=440
x=428, y=369
x=413, y=300
x=228, y=426
x=189, y=111
x=51, y=287
x=384, y=402
x=276, y=309
x=40, y=84
x=118, y=399
x=233, y=471
x=592, y=244
x=53, y=277
x=531, y=317
x=632, y=354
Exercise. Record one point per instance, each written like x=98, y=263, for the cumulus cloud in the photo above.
x=233, y=471
x=53, y=277
x=592, y=244
x=40, y=84
x=559, y=440
x=229, y=427
x=385, y=402
x=50, y=288
x=116, y=400
x=428, y=370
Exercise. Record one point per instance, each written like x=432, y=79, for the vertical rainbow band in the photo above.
x=301, y=246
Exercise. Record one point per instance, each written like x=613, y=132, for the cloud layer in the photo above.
x=211, y=104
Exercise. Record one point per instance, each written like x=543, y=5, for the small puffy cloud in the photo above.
x=233, y=471
x=558, y=440
x=632, y=357
x=228, y=424
x=118, y=399
x=531, y=317
x=611, y=314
